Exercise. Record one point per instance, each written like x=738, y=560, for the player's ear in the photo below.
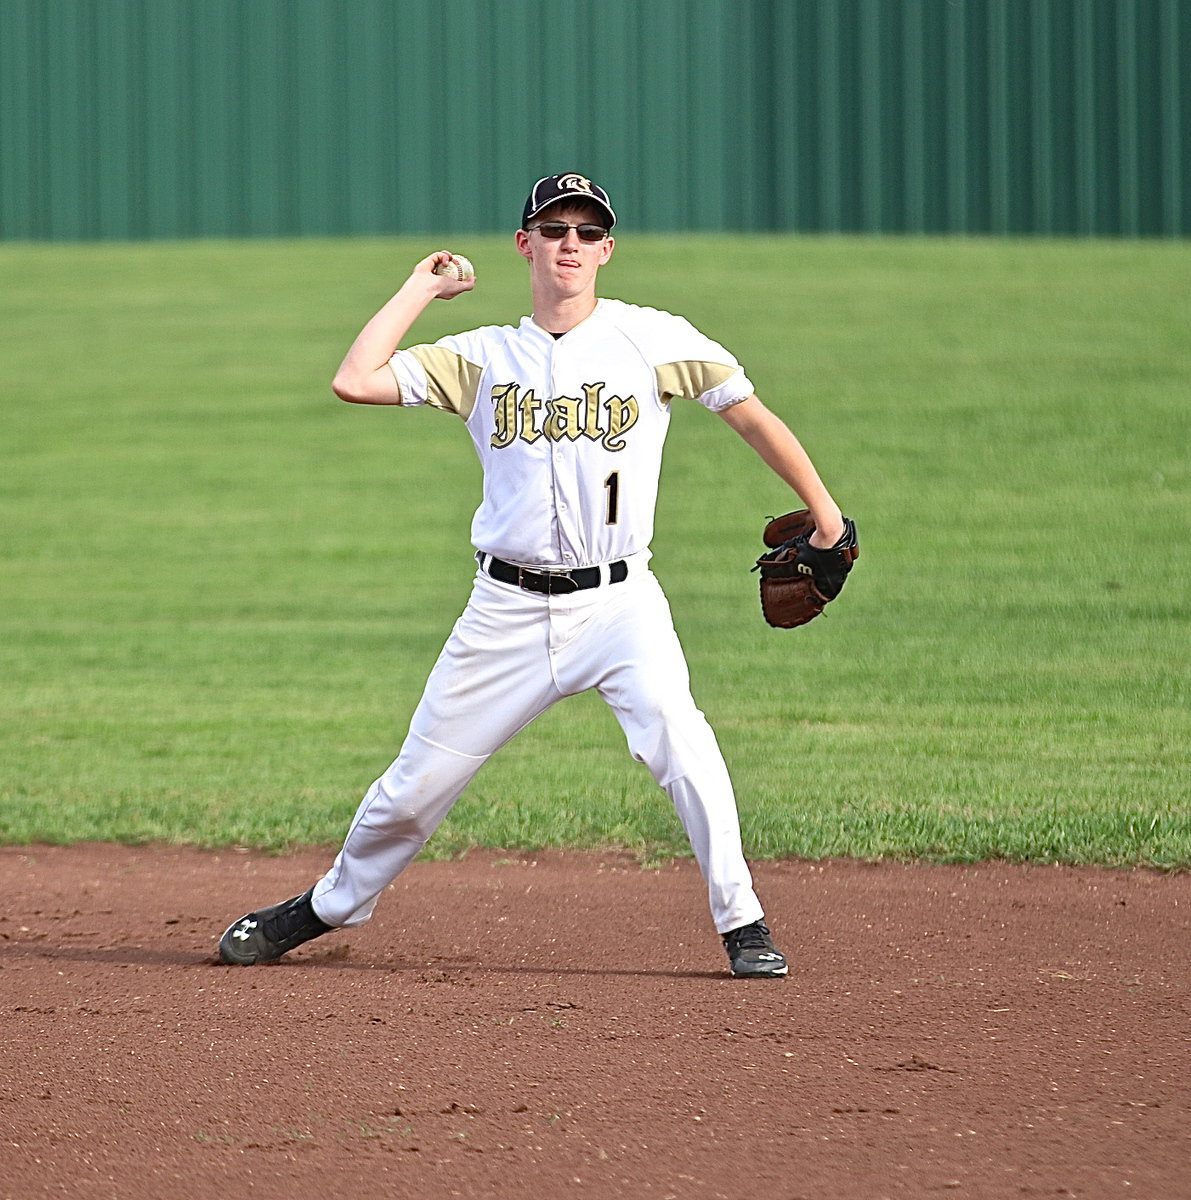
x=523, y=244
x=606, y=248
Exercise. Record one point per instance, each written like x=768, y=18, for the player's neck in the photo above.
x=560, y=314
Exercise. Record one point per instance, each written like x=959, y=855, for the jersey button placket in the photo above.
x=555, y=451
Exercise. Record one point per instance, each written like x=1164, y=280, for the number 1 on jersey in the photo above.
x=612, y=509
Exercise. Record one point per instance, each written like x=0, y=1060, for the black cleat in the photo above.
x=266, y=935
x=753, y=954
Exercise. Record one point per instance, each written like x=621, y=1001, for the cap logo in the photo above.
x=575, y=183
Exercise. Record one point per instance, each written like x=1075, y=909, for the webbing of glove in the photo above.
x=780, y=530
x=799, y=580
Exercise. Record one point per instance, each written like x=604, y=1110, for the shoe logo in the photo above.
x=243, y=930
x=770, y=957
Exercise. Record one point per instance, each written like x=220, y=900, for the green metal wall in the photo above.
x=175, y=118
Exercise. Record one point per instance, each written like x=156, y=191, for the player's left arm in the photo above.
x=777, y=446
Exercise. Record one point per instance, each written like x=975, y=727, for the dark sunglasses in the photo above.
x=554, y=230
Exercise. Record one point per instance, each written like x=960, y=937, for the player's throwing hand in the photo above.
x=455, y=273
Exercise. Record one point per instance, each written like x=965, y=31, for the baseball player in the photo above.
x=568, y=411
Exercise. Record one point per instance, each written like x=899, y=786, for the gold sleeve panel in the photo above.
x=691, y=379
x=453, y=379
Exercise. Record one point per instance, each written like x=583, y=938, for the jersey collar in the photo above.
x=529, y=323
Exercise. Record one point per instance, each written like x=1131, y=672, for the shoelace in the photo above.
x=292, y=917
x=750, y=937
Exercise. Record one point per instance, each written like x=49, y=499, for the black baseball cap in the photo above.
x=569, y=186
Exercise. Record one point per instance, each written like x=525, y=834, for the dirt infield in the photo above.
x=563, y=1026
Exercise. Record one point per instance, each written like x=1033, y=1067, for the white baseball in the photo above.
x=458, y=268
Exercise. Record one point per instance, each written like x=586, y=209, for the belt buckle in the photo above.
x=547, y=582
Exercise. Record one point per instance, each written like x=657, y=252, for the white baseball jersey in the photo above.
x=570, y=430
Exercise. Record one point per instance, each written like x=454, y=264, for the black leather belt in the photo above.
x=554, y=583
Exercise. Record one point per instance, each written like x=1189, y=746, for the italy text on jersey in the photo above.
x=520, y=414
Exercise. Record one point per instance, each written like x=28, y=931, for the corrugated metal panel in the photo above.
x=152, y=118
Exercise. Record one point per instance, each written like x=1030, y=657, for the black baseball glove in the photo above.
x=799, y=580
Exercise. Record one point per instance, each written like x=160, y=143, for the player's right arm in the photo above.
x=364, y=376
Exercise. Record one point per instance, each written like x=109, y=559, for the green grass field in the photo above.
x=221, y=589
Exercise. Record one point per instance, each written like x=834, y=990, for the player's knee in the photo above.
x=664, y=735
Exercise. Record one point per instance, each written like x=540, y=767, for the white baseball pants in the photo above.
x=511, y=655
